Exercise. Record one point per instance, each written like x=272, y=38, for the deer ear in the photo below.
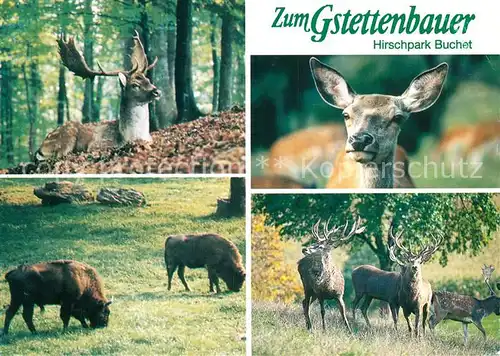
x=331, y=85
x=425, y=89
x=123, y=79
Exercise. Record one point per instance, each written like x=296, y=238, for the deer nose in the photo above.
x=359, y=141
x=156, y=92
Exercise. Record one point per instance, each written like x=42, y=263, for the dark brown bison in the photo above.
x=219, y=255
x=74, y=285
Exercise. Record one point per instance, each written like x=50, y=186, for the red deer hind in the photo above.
x=133, y=124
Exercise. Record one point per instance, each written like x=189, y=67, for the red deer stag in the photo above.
x=133, y=124
x=414, y=294
x=373, y=124
x=320, y=277
x=463, y=308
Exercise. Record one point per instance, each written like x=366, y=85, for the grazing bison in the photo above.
x=74, y=285
x=219, y=255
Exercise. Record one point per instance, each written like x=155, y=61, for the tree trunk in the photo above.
x=226, y=63
x=88, y=53
x=98, y=99
x=184, y=96
x=216, y=64
x=61, y=96
x=7, y=84
x=171, y=39
x=29, y=102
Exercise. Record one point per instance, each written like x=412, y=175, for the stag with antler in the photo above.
x=321, y=279
x=463, y=308
x=414, y=294
x=133, y=124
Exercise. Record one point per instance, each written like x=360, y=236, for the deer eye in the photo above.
x=135, y=85
x=345, y=115
x=398, y=118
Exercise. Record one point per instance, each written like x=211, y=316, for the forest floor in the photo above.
x=213, y=144
x=125, y=245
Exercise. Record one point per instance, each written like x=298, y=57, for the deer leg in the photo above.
x=180, y=273
x=170, y=270
x=466, y=332
x=9, y=314
x=305, y=306
x=407, y=317
x=28, y=307
x=417, y=320
x=425, y=312
x=364, y=309
x=394, y=312
x=355, y=305
x=322, y=308
x=480, y=327
x=341, y=306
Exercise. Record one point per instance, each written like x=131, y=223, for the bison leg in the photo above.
x=65, y=313
x=341, y=307
x=28, y=308
x=9, y=314
x=305, y=305
x=180, y=273
x=170, y=270
x=364, y=309
x=214, y=280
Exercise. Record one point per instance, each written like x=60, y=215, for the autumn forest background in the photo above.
x=200, y=70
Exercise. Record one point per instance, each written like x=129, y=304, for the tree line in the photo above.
x=200, y=69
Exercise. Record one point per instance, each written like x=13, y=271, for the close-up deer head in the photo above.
x=374, y=121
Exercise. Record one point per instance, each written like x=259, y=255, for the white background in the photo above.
x=484, y=31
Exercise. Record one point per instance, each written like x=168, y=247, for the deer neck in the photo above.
x=134, y=121
x=377, y=175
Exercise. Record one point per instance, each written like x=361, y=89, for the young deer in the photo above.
x=133, y=124
x=321, y=279
x=374, y=121
x=415, y=294
x=464, y=308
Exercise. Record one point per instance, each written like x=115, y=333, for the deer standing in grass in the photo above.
x=415, y=293
x=373, y=124
x=320, y=277
x=133, y=124
x=463, y=308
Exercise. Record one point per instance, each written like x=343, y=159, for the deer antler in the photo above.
x=140, y=55
x=429, y=250
x=395, y=241
x=75, y=62
x=487, y=272
x=338, y=239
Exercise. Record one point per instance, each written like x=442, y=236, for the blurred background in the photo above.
x=284, y=100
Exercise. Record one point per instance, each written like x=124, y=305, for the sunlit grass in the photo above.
x=125, y=245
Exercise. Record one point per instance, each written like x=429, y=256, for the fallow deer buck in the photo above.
x=133, y=124
x=373, y=124
x=465, y=309
x=414, y=294
x=320, y=277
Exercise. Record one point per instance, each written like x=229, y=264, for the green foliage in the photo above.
x=466, y=220
x=125, y=245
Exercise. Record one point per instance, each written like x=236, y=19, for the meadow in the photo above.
x=279, y=328
x=125, y=245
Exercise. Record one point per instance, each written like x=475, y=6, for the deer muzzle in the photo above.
x=361, y=147
x=156, y=93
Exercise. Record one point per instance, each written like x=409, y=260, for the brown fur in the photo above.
x=219, y=255
x=275, y=182
x=75, y=286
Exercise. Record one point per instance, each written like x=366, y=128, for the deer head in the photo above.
x=136, y=87
x=333, y=237
x=410, y=261
x=487, y=272
x=374, y=121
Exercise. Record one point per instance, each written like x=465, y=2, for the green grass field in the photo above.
x=293, y=338
x=125, y=245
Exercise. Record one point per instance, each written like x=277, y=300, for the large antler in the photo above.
x=139, y=55
x=487, y=272
x=429, y=250
x=332, y=236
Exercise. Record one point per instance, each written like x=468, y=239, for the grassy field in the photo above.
x=293, y=338
x=125, y=245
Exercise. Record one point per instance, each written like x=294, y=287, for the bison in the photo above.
x=219, y=255
x=75, y=286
